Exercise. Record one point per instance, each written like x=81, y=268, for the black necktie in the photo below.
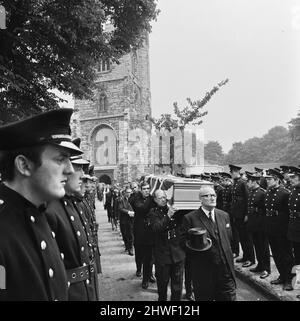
x=210, y=217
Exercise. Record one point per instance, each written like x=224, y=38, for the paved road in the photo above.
x=119, y=282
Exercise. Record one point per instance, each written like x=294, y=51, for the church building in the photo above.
x=114, y=132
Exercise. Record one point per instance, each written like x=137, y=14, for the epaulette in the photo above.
x=262, y=189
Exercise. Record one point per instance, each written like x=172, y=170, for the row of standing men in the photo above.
x=261, y=219
x=264, y=208
x=48, y=231
x=159, y=234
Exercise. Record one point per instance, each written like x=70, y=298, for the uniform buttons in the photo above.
x=43, y=245
x=87, y=281
x=62, y=255
x=90, y=245
x=72, y=218
x=82, y=248
x=84, y=264
x=81, y=212
x=51, y=273
x=78, y=233
x=53, y=234
x=69, y=284
x=32, y=219
x=65, y=203
x=1, y=202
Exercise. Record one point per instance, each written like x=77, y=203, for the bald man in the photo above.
x=168, y=252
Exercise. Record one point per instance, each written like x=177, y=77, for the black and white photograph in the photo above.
x=149, y=152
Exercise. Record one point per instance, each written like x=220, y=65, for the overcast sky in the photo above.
x=256, y=44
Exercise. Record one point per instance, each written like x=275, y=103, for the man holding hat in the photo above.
x=74, y=237
x=34, y=165
x=276, y=225
x=212, y=267
x=239, y=198
x=255, y=222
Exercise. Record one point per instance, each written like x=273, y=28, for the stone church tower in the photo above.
x=114, y=132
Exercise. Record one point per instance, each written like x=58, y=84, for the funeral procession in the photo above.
x=115, y=190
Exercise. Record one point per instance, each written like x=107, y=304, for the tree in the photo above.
x=55, y=44
x=235, y=154
x=191, y=114
x=271, y=147
x=295, y=128
x=213, y=152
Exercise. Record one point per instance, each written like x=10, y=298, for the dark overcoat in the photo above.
x=204, y=260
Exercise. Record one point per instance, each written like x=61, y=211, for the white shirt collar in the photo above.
x=207, y=213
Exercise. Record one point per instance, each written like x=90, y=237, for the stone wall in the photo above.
x=124, y=91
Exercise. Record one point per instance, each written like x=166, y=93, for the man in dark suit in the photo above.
x=212, y=270
x=168, y=251
x=126, y=220
x=143, y=235
x=108, y=202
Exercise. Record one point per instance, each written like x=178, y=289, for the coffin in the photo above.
x=182, y=193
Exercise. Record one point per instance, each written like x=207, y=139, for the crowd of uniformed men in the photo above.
x=48, y=229
x=264, y=211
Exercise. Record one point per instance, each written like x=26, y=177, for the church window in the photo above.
x=104, y=65
x=102, y=105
